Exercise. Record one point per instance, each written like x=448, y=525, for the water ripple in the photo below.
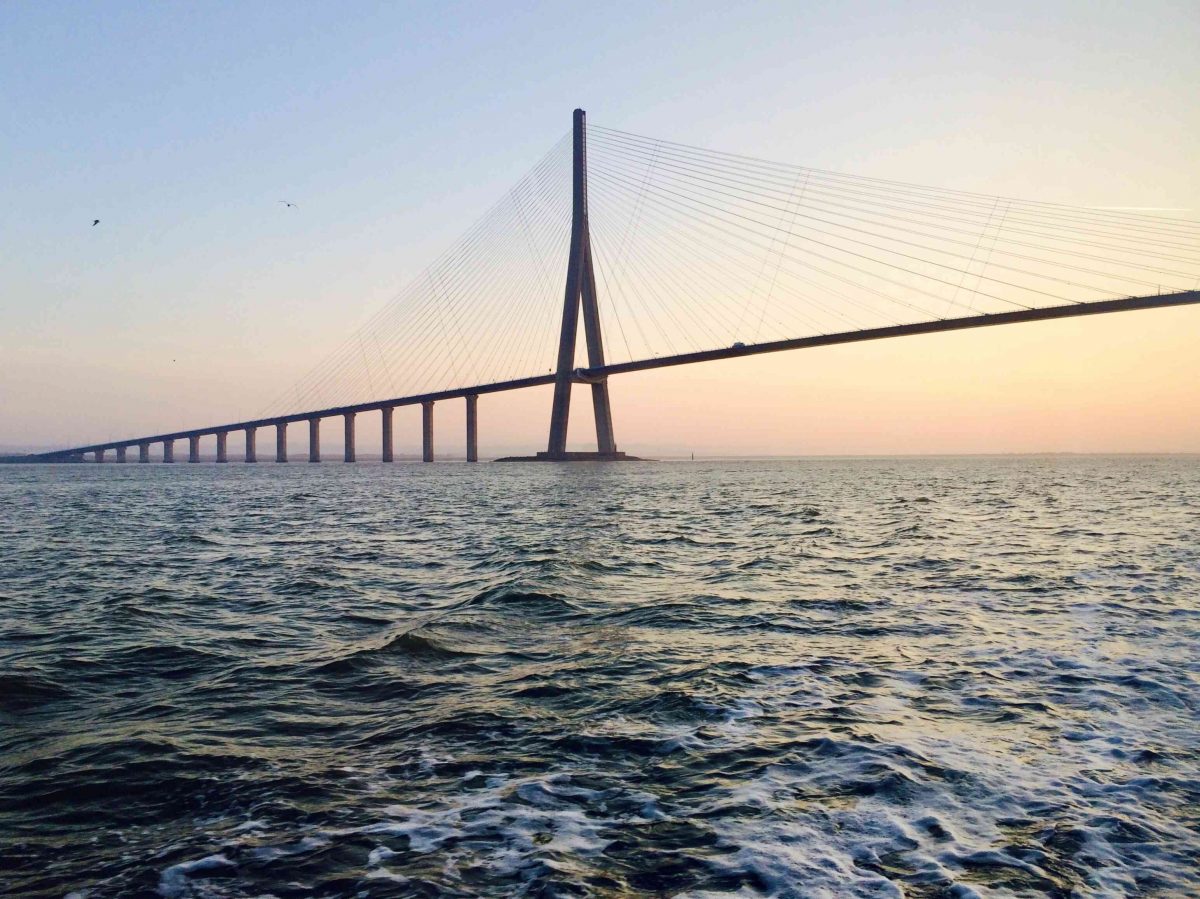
x=850, y=678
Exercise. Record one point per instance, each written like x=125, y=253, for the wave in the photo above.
x=21, y=691
x=189, y=538
x=512, y=601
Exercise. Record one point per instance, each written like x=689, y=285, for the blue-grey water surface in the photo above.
x=838, y=678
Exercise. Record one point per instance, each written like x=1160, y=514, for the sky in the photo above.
x=200, y=297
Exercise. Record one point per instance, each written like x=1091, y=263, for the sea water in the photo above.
x=920, y=677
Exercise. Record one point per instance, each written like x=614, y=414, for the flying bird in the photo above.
x=286, y=203
x=95, y=222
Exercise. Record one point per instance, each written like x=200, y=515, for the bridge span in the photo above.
x=579, y=376
x=712, y=223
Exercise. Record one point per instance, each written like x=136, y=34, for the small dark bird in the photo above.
x=286, y=203
x=95, y=223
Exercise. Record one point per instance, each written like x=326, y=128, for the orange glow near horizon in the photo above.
x=1127, y=382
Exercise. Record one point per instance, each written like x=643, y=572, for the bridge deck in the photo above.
x=1127, y=304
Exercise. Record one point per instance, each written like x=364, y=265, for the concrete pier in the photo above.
x=194, y=449
x=222, y=446
x=281, y=442
x=314, y=440
x=120, y=454
x=349, y=457
x=251, y=452
x=168, y=450
x=386, y=412
x=427, y=430
x=143, y=452
x=99, y=454
x=472, y=427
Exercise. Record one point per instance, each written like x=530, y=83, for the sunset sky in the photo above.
x=200, y=298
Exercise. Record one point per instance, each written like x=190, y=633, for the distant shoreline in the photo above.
x=334, y=457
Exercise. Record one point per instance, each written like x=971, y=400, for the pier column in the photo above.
x=472, y=427
x=168, y=450
x=251, y=453
x=120, y=454
x=143, y=452
x=427, y=430
x=222, y=446
x=314, y=440
x=194, y=448
x=349, y=457
x=281, y=441
x=386, y=412
x=99, y=454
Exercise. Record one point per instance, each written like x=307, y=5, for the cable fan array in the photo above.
x=487, y=310
x=696, y=250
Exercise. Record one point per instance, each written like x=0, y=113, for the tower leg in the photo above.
x=605, y=441
x=560, y=412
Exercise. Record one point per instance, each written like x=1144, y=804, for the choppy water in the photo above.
x=862, y=678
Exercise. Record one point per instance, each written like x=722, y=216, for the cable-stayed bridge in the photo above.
x=677, y=255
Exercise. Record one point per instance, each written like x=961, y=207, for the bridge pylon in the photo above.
x=580, y=294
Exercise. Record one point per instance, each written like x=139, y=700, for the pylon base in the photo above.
x=573, y=457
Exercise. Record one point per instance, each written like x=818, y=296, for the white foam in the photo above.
x=379, y=855
x=799, y=834
x=549, y=821
x=390, y=876
x=305, y=844
x=250, y=825
x=174, y=880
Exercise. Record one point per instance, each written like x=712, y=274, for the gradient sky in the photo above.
x=200, y=297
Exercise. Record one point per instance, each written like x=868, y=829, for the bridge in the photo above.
x=703, y=256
